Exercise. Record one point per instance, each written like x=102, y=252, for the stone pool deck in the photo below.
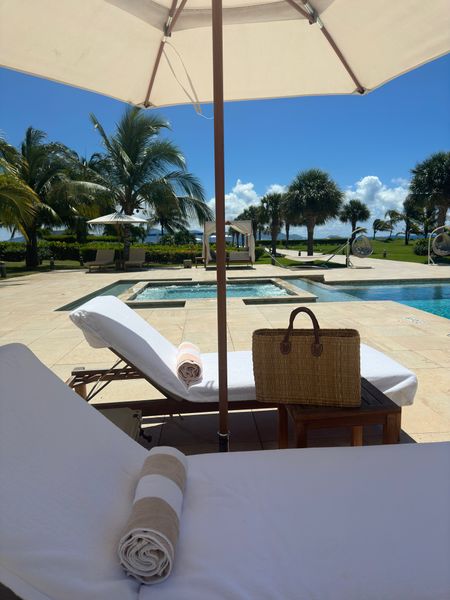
x=419, y=340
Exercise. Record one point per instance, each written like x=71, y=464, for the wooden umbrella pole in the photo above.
x=219, y=170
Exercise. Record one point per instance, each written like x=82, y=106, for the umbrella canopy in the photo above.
x=117, y=219
x=272, y=48
x=158, y=53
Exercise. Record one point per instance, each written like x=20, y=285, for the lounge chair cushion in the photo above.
x=369, y=523
x=108, y=322
x=340, y=523
x=397, y=382
x=67, y=483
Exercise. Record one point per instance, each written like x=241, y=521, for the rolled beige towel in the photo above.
x=189, y=364
x=147, y=545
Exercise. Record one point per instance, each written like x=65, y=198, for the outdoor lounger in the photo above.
x=103, y=258
x=136, y=258
x=109, y=323
x=325, y=523
x=239, y=257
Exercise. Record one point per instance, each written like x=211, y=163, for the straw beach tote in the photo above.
x=307, y=366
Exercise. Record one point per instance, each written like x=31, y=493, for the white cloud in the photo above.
x=276, y=188
x=242, y=196
x=378, y=196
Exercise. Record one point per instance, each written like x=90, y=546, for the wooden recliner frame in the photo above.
x=171, y=404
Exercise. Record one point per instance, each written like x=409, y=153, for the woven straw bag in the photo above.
x=307, y=366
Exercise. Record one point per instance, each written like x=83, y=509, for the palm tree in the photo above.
x=18, y=202
x=262, y=220
x=411, y=215
x=393, y=217
x=427, y=219
x=288, y=218
x=273, y=208
x=430, y=184
x=380, y=225
x=314, y=198
x=251, y=213
x=167, y=213
x=89, y=205
x=41, y=167
x=352, y=212
x=139, y=170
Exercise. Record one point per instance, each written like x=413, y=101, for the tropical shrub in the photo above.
x=12, y=251
x=421, y=247
x=63, y=237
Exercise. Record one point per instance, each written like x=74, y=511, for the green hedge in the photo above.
x=12, y=251
x=15, y=251
x=102, y=238
x=66, y=237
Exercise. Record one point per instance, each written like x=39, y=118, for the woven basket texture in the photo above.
x=299, y=377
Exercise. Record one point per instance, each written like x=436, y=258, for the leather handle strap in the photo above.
x=316, y=346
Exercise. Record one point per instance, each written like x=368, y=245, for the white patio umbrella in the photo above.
x=117, y=219
x=158, y=53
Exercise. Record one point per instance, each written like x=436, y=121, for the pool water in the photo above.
x=430, y=296
x=194, y=291
x=114, y=289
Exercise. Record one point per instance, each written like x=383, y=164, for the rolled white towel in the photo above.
x=147, y=545
x=189, y=364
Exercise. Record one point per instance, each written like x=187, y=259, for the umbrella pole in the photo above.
x=219, y=172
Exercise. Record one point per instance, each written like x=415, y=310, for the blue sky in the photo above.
x=368, y=144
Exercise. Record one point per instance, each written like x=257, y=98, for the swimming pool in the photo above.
x=193, y=291
x=431, y=296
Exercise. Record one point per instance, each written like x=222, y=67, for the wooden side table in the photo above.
x=376, y=408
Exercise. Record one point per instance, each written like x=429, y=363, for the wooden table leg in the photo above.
x=301, y=435
x=282, y=427
x=357, y=435
x=391, y=429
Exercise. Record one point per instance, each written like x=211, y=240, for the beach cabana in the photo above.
x=242, y=227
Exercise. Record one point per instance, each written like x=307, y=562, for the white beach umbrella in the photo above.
x=271, y=48
x=158, y=53
x=117, y=219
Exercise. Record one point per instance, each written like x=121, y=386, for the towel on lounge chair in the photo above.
x=189, y=364
x=147, y=546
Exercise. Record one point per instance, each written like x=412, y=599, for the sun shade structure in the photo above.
x=117, y=219
x=158, y=53
x=243, y=227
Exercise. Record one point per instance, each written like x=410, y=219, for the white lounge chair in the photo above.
x=109, y=323
x=340, y=523
x=239, y=257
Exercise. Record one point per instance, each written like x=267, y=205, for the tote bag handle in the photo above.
x=316, y=346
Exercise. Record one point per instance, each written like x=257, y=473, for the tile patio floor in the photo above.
x=419, y=340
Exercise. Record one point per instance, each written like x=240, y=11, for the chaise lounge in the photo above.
x=239, y=257
x=103, y=258
x=341, y=523
x=107, y=322
x=136, y=258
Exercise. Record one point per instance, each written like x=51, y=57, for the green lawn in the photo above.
x=395, y=250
